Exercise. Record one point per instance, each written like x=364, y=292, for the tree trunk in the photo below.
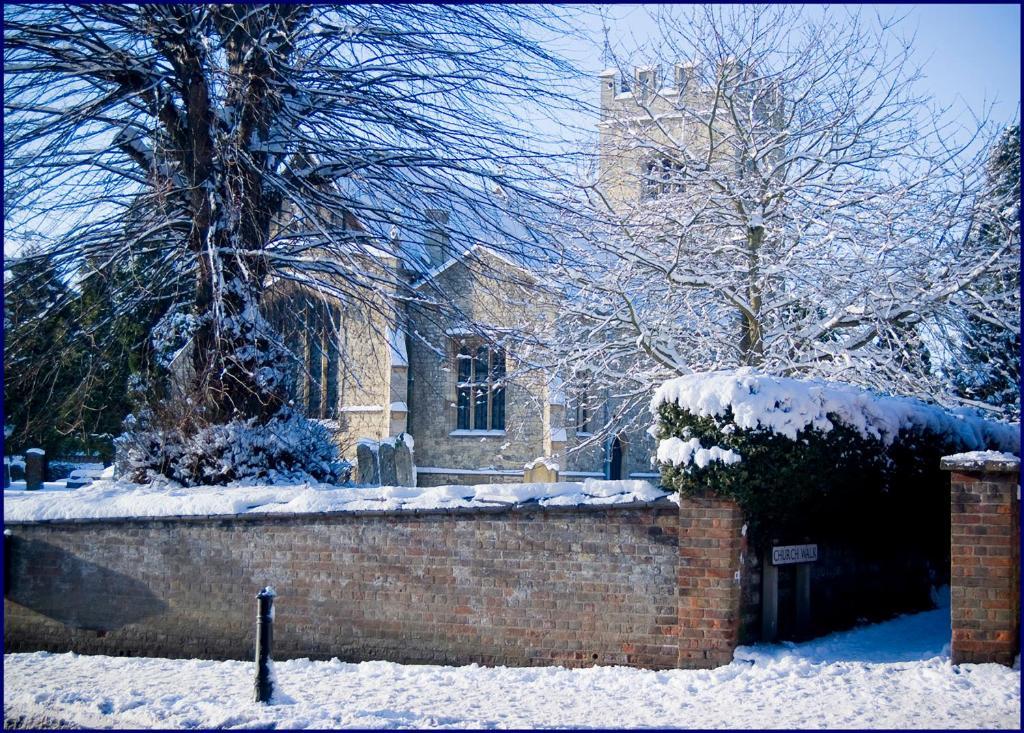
x=751, y=336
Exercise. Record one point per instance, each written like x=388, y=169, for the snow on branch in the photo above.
x=806, y=212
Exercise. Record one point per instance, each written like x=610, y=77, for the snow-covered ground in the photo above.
x=110, y=499
x=17, y=486
x=896, y=674
x=82, y=471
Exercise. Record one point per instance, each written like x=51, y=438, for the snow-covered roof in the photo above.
x=475, y=250
x=478, y=213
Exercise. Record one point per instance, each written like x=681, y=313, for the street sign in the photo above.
x=788, y=554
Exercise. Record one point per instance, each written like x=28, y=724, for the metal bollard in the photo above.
x=264, y=686
x=8, y=542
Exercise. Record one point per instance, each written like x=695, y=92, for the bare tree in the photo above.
x=772, y=191
x=265, y=143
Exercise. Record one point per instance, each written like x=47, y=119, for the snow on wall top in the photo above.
x=111, y=499
x=786, y=406
x=982, y=460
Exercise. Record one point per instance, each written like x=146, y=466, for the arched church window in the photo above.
x=480, y=386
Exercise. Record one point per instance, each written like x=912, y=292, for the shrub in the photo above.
x=795, y=454
x=287, y=448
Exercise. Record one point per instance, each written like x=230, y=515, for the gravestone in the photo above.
x=7, y=472
x=366, y=458
x=541, y=471
x=59, y=470
x=386, y=459
x=17, y=471
x=35, y=466
x=404, y=472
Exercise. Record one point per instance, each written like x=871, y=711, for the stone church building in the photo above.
x=459, y=379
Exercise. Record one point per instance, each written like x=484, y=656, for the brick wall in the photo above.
x=711, y=542
x=650, y=585
x=985, y=587
x=524, y=586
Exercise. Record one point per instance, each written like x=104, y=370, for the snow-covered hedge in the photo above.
x=790, y=450
x=286, y=448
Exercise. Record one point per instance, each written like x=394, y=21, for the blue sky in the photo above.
x=970, y=53
x=970, y=56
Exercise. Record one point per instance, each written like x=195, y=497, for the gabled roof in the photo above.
x=391, y=220
x=468, y=254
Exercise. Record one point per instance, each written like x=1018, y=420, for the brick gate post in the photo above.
x=711, y=543
x=985, y=556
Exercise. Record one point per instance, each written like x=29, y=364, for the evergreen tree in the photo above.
x=71, y=353
x=39, y=365
x=118, y=305
x=990, y=368
x=110, y=346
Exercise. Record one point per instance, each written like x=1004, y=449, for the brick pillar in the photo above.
x=985, y=556
x=711, y=543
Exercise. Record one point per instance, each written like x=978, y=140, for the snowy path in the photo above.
x=888, y=675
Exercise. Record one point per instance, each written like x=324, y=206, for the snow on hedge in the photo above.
x=787, y=406
x=680, y=452
x=112, y=499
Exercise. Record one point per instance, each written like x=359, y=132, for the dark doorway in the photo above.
x=615, y=459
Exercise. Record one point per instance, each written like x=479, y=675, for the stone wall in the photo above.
x=434, y=476
x=489, y=294
x=985, y=583
x=384, y=390
x=356, y=370
x=635, y=126
x=642, y=125
x=574, y=586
